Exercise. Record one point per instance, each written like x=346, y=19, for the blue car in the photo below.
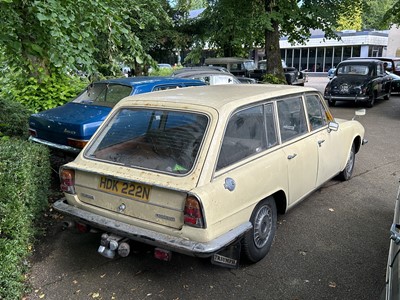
x=69, y=127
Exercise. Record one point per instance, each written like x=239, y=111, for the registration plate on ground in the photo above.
x=132, y=190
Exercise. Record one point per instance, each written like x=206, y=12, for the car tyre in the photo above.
x=371, y=100
x=257, y=241
x=347, y=172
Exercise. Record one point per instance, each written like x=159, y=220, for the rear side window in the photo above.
x=103, y=94
x=245, y=135
x=165, y=87
x=292, y=120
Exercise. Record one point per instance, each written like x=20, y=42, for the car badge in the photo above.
x=230, y=184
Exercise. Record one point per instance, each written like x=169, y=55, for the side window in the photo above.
x=165, y=87
x=316, y=113
x=292, y=120
x=244, y=136
x=379, y=70
x=272, y=138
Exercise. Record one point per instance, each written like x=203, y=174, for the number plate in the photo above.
x=126, y=189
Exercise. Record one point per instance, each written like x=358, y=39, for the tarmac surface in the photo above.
x=333, y=245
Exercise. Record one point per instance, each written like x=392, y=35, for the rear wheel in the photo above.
x=258, y=240
x=347, y=172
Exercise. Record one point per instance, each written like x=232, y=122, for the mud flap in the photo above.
x=229, y=257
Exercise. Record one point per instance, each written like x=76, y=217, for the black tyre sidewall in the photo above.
x=251, y=252
x=344, y=175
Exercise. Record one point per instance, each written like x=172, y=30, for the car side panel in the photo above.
x=254, y=179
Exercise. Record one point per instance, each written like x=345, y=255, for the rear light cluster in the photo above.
x=80, y=144
x=193, y=215
x=67, y=179
x=32, y=132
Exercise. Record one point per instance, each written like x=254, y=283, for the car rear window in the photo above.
x=160, y=140
x=103, y=94
x=353, y=70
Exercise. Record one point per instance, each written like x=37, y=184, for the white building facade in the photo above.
x=320, y=54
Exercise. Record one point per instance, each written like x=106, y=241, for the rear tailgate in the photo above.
x=151, y=203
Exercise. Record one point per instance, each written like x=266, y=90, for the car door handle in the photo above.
x=291, y=156
x=320, y=142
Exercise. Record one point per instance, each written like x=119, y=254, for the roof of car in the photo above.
x=133, y=81
x=201, y=68
x=217, y=96
x=360, y=61
x=226, y=59
x=202, y=72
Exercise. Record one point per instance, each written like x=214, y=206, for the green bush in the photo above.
x=24, y=184
x=38, y=94
x=13, y=119
x=50, y=92
x=270, y=78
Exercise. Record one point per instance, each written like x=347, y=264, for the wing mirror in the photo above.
x=333, y=126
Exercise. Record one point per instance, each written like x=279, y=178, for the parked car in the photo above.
x=292, y=75
x=209, y=74
x=240, y=67
x=331, y=73
x=358, y=80
x=392, y=287
x=68, y=127
x=195, y=171
x=395, y=83
x=392, y=64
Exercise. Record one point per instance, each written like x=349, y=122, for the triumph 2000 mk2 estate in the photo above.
x=204, y=171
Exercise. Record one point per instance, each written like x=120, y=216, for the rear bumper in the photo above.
x=55, y=146
x=150, y=237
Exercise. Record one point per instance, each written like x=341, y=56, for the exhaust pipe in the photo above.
x=111, y=244
x=68, y=224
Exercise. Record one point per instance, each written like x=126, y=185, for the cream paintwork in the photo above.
x=256, y=177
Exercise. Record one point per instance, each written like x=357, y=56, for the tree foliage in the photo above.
x=379, y=14
x=351, y=18
x=237, y=26
x=54, y=36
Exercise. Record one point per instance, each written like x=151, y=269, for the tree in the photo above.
x=351, y=19
x=379, y=14
x=54, y=35
x=236, y=26
x=44, y=41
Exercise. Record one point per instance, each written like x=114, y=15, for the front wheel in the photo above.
x=347, y=172
x=257, y=241
x=371, y=100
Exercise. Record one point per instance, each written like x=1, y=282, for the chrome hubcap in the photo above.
x=262, y=226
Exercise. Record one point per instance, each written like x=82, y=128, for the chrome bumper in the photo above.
x=55, y=146
x=150, y=237
x=347, y=98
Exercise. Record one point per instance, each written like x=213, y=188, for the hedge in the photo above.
x=24, y=186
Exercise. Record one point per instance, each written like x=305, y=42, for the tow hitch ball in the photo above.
x=110, y=244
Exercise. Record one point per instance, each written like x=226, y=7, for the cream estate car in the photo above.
x=204, y=171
